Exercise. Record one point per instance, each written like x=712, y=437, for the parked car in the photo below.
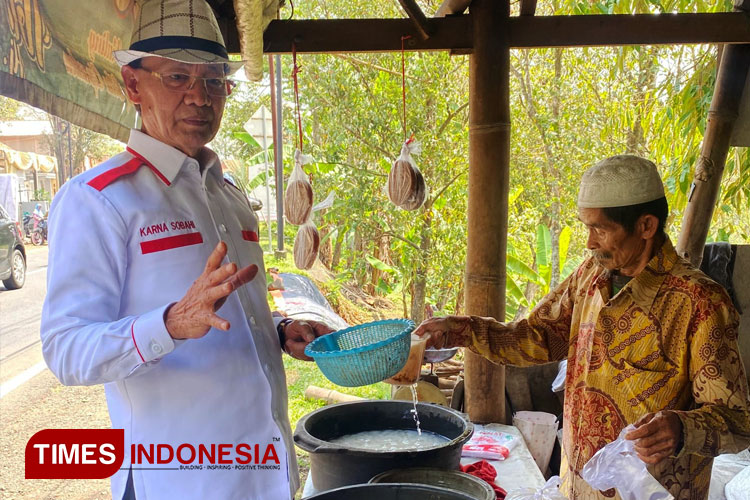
x=12, y=252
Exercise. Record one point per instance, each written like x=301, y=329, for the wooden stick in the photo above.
x=423, y=25
x=329, y=395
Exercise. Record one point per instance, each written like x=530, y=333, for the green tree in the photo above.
x=570, y=108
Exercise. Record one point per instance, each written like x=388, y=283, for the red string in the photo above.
x=296, y=69
x=403, y=78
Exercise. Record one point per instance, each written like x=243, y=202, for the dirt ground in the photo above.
x=42, y=403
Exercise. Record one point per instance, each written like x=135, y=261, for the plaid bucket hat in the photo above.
x=181, y=30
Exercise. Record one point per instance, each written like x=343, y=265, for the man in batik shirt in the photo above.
x=650, y=340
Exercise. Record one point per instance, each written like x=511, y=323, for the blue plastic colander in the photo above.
x=363, y=354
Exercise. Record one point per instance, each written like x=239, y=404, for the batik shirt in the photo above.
x=666, y=341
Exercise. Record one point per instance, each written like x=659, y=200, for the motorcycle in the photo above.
x=28, y=225
x=39, y=233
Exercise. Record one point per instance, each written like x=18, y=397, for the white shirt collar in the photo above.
x=168, y=161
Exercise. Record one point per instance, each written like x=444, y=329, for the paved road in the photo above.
x=31, y=398
x=20, y=313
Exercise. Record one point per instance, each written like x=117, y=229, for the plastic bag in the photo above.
x=406, y=187
x=298, y=197
x=550, y=491
x=739, y=487
x=306, y=245
x=489, y=444
x=539, y=430
x=327, y=203
x=558, y=385
x=618, y=466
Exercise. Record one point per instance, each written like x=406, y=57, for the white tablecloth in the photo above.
x=518, y=471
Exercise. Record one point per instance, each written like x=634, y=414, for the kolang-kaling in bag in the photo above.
x=618, y=466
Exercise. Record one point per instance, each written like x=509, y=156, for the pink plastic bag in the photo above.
x=489, y=444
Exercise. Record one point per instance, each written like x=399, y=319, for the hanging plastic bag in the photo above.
x=406, y=187
x=618, y=466
x=550, y=491
x=489, y=444
x=298, y=197
x=306, y=245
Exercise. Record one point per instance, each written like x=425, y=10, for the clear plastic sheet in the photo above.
x=550, y=491
x=739, y=487
x=726, y=467
x=618, y=466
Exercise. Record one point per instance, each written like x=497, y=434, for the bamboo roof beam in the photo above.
x=528, y=7
x=423, y=25
x=455, y=32
x=451, y=7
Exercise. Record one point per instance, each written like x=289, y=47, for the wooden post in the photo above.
x=489, y=160
x=730, y=83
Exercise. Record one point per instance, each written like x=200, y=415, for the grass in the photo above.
x=300, y=375
x=355, y=308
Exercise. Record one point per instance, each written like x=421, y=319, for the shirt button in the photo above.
x=156, y=348
x=223, y=228
x=252, y=321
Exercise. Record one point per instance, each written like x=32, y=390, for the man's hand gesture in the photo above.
x=195, y=314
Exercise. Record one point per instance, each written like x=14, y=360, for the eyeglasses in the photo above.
x=181, y=82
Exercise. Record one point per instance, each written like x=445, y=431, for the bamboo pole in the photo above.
x=330, y=396
x=489, y=160
x=730, y=83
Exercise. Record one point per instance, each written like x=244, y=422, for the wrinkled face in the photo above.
x=186, y=120
x=608, y=241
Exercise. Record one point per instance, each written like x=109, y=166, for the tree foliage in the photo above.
x=570, y=108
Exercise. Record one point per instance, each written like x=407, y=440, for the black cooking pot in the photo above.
x=333, y=465
x=386, y=491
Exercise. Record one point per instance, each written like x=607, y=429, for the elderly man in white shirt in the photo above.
x=156, y=285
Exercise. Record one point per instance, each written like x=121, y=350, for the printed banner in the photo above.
x=57, y=55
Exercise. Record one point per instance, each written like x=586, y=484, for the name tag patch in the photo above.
x=170, y=242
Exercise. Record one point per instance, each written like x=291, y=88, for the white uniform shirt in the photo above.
x=127, y=239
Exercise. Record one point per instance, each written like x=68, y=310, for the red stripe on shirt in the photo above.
x=132, y=335
x=181, y=240
x=149, y=164
x=106, y=178
x=250, y=235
